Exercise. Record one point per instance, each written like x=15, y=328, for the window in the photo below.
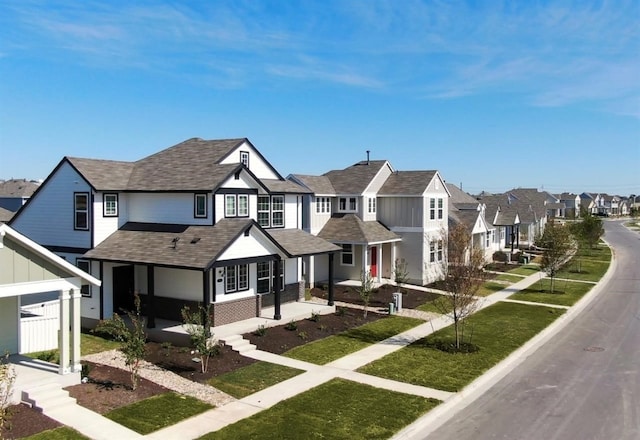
x=271, y=211
x=323, y=205
x=440, y=209
x=236, y=278
x=81, y=211
x=264, y=211
x=266, y=276
x=244, y=158
x=243, y=205
x=347, y=255
x=488, y=239
x=348, y=204
x=200, y=205
x=435, y=251
x=432, y=209
x=230, y=205
x=110, y=205
x=372, y=205
x=277, y=211
x=85, y=289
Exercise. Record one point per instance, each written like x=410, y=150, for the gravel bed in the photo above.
x=165, y=378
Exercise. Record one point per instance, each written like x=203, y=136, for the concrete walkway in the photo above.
x=313, y=375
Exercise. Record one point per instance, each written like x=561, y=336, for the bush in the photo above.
x=260, y=331
x=500, y=256
x=303, y=335
x=291, y=325
x=315, y=317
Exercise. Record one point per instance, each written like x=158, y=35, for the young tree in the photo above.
x=198, y=325
x=365, y=289
x=556, y=243
x=400, y=273
x=7, y=379
x=464, y=276
x=132, y=338
x=590, y=229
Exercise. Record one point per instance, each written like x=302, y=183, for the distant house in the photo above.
x=571, y=203
x=15, y=192
x=28, y=269
x=377, y=215
x=202, y=222
x=466, y=210
x=589, y=203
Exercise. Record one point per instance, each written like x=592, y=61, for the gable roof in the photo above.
x=283, y=186
x=459, y=197
x=407, y=183
x=349, y=228
x=356, y=178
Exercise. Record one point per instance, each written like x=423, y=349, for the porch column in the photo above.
x=101, y=268
x=330, y=302
x=518, y=236
x=206, y=297
x=311, y=271
x=151, y=297
x=277, y=287
x=393, y=255
x=379, y=263
x=76, y=296
x=63, y=334
x=365, y=255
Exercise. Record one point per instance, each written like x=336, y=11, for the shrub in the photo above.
x=260, y=331
x=291, y=325
x=500, y=256
x=315, y=316
x=303, y=335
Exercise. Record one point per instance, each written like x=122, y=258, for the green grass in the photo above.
x=565, y=293
x=508, y=277
x=336, y=410
x=252, y=378
x=584, y=270
x=526, y=270
x=62, y=433
x=157, y=412
x=334, y=347
x=497, y=331
x=488, y=288
x=601, y=252
x=89, y=344
x=430, y=306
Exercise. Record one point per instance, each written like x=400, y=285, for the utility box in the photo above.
x=392, y=307
x=397, y=300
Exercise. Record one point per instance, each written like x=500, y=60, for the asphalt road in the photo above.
x=584, y=383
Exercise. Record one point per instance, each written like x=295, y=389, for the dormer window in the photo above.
x=244, y=158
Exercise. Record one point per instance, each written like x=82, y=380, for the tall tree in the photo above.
x=463, y=266
x=590, y=229
x=556, y=243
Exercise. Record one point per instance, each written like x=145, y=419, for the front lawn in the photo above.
x=338, y=409
x=497, y=331
x=62, y=433
x=488, y=288
x=252, y=378
x=157, y=412
x=509, y=278
x=526, y=270
x=334, y=347
x=565, y=293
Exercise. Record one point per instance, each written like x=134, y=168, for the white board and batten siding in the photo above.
x=55, y=203
x=177, y=208
x=402, y=212
x=259, y=167
x=253, y=245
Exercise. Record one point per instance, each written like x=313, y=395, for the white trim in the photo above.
x=20, y=289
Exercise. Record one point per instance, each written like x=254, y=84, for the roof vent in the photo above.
x=368, y=151
x=194, y=240
x=175, y=241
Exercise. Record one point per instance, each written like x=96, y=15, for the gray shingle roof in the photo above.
x=104, y=175
x=459, y=197
x=5, y=215
x=467, y=218
x=407, y=183
x=198, y=247
x=356, y=178
x=17, y=188
x=319, y=185
x=348, y=228
x=283, y=186
x=298, y=243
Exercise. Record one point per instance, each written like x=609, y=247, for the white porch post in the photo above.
x=76, y=295
x=379, y=263
x=63, y=335
x=311, y=274
x=365, y=252
x=393, y=257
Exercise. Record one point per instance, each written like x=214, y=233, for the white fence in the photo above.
x=39, y=328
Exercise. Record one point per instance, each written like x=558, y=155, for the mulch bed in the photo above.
x=381, y=297
x=25, y=421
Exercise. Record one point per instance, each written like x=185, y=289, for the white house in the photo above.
x=203, y=222
x=377, y=215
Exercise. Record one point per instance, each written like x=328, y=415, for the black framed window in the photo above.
x=200, y=205
x=81, y=211
x=110, y=205
x=236, y=278
x=440, y=209
x=84, y=265
x=346, y=258
x=244, y=158
x=271, y=211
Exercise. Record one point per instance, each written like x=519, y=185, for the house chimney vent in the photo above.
x=368, y=151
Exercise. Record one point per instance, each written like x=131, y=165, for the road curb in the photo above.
x=444, y=412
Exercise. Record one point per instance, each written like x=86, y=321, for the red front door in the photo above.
x=374, y=262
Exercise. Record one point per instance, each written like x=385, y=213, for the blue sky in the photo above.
x=493, y=94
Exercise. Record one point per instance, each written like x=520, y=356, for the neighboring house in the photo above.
x=203, y=222
x=15, y=192
x=29, y=269
x=378, y=216
x=466, y=210
x=572, y=204
x=588, y=203
x=610, y=205
x=624, y=207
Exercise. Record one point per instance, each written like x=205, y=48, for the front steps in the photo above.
x=48, y=398
x=238, y=343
